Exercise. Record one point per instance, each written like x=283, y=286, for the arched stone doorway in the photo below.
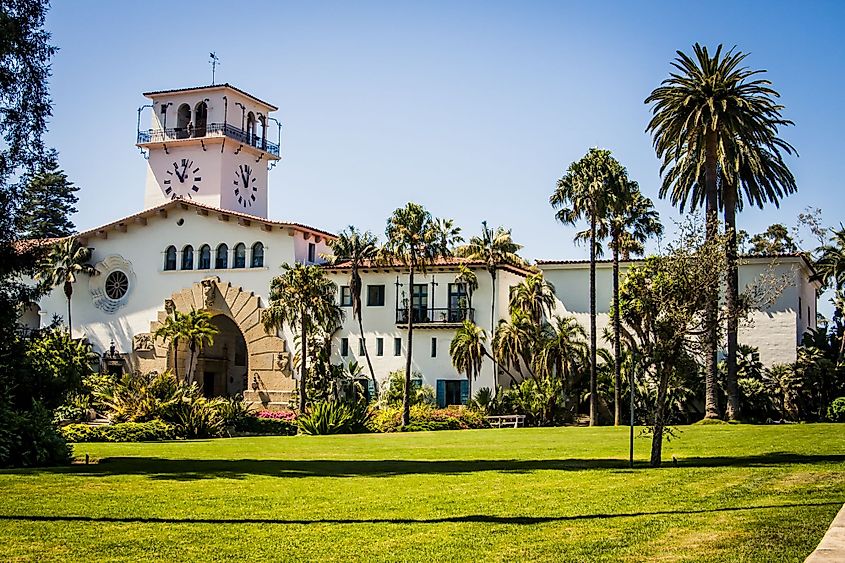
x=237, y=314
x=223, y=367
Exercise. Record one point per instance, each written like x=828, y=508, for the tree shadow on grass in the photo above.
x=193, y=469
x=468, y=518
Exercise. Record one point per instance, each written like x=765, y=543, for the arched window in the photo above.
x=183, y=121
x=188, y=257
x=257, y=255
x=205, y=257
x=170, y=258
x=200, y=119
x=222, y=260
x=240, y=256
x=250, y=128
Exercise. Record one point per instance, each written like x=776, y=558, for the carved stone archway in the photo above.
x=270, y=380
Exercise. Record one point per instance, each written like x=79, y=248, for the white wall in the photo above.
x=775, y=331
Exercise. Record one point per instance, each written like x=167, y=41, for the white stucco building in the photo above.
x=204, y=241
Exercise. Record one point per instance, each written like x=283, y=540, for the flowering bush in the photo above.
x=424, y=417
x=278, y=415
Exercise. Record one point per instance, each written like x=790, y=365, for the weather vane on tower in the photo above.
x=214, y=60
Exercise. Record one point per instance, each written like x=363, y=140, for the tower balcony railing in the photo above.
x=435, y=315
x=210, y=130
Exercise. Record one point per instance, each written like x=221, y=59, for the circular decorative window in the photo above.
x=111, y=288
x=117, y=284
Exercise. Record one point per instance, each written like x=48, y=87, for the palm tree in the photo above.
x=563, y=352
x=469, y=280
x=582, y=193
x=632, y=221
x=415, y=239
x=303, y=298
x=66, y=261
x=195, y=328
x=357, y=249
x=468, y=351
x=535, y=296
x=494, y=247
x=715, y=126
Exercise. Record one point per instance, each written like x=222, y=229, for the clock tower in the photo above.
x=210, y=144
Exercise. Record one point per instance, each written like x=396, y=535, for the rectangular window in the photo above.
x=458, y=302
x=375, y=296
x=312, y=252
x=433, y=347
x=397, y=346
x=344, y=347
x=419, y=302
x=379, y=346
x=345, y=296
x=452, y=392
x=360, y=346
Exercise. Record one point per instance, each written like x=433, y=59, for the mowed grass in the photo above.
x=737, y=493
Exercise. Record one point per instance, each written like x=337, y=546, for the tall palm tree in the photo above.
x=357, y=249
x=195, y=328
x=535, y=296
x=715, y=126
x=304, y=299
x=63, y=265
x=494, y=247
x=632, y=221
x=468, y=351
x=583, y=193
x=415, y=239
x=830, y=264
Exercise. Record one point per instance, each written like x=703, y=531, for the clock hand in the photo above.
x=178, y=175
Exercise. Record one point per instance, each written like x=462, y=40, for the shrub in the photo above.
x=333, y=417
x=270, y=426
x=392, y=395
x=836, y=410
x=233, y=411
x=29, y=438
x=122, y=432
x=424, y=417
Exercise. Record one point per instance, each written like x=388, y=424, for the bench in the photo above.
x=512, y=420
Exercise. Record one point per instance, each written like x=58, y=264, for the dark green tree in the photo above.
x=48, y=201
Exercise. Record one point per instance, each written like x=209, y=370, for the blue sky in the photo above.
x=473, y=109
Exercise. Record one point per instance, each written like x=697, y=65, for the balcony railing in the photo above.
x=435, y=315
x=210, y=130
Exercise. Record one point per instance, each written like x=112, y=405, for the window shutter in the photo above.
x=464, y=391
x=371, y=390
x=441, y=393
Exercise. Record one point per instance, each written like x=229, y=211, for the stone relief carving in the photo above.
x=143, y=342
x=209, y=292
x=283, y=361
x=112, y=287
x=169, y=306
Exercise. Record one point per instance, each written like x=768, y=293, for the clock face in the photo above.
x=245, y=186
x=182, y=179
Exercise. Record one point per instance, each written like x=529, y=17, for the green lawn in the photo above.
x=738, y=493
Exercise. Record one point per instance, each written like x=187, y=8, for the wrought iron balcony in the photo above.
x=435, y=315
x=210, y=130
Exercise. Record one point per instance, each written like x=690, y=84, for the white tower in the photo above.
x=209, y=144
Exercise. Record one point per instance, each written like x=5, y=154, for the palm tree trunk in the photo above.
x=594, y=414
x=659, y=409
x=731, y=302
x=406, y=393
x=303, y=369
x=711, y=398
x=617, y=341
x=69, y=293
x=176, y=359
x=192, y=347
x=367, y=354
x=493, y=321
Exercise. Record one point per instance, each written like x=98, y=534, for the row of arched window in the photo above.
x=221, y=257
